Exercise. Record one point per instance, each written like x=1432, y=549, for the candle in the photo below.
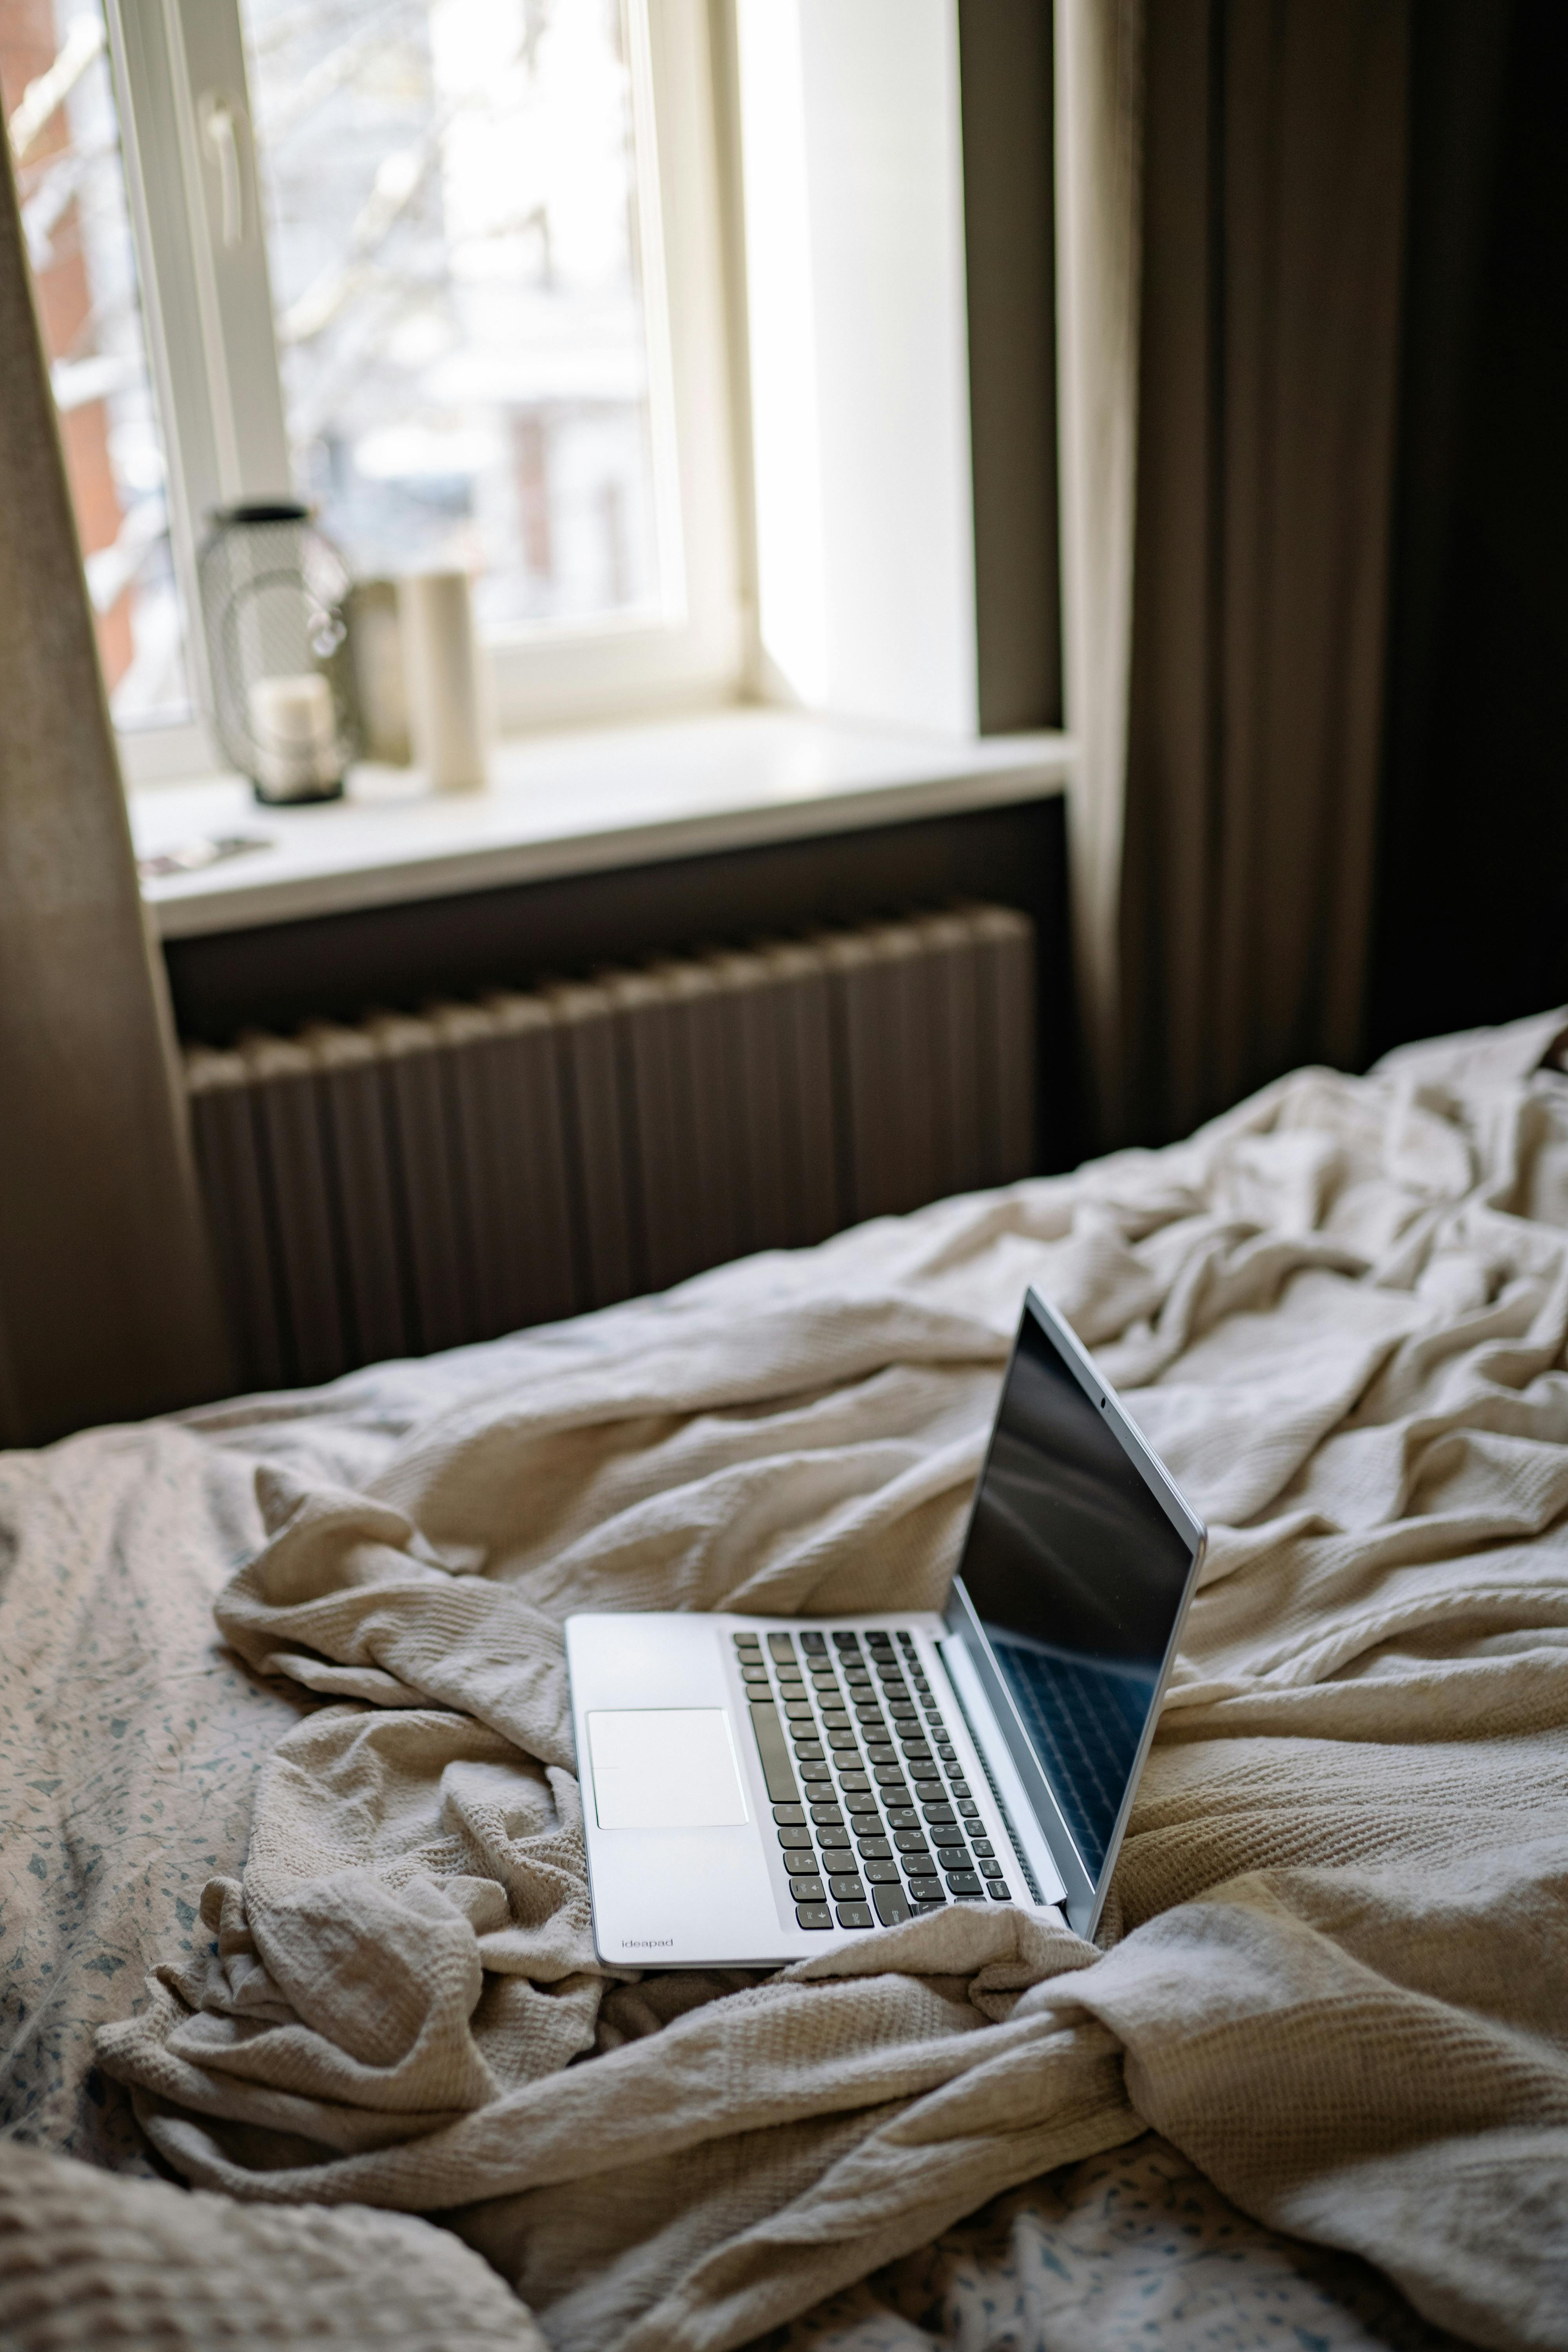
x=295, y=728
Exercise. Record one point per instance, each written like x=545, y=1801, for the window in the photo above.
x=448, y=268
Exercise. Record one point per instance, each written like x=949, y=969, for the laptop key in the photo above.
x=966, y=1802
x=809, y=1890
x=999, y=1892
x=847, y=1890
x=813, y=1770
x=808, y=1746
x=854, y=1784
x=781, y=1646
x=769, y=1734
x=790, y=1838
x=953, y=1857
x=814, y=1641
x=887, y=1775
x=909, y=1840
x=890, y=1905
x=844, y=1741
x=814, y=1915
x=981, y=1846
x=783, y=1814
x=826, y=1815
x=883, y=1874
x=964, y=1882
x=989, y=1869
x=855, y=1914
x=799, y=1710
x=874, y=1846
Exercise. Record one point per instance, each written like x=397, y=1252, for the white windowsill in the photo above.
x=572, y=803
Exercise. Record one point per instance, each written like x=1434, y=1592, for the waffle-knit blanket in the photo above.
x=1337, y=1965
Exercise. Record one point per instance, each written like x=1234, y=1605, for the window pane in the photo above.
x=59, y=99
x=452, y=195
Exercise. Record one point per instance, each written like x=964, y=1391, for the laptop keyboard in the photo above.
x=869, y=1801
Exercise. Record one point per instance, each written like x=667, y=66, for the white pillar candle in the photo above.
x=296, y=735
x=441, y=668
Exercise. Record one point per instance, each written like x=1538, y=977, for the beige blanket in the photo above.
x=1338, y=1973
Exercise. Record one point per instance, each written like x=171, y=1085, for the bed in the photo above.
x=292, y=1906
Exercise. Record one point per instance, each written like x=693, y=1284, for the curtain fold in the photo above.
x=108, y=1310
x=1275, y=137
x=1097, y=81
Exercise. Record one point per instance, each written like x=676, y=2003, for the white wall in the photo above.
x=852, y=185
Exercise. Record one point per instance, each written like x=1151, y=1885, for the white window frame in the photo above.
x=202, y=254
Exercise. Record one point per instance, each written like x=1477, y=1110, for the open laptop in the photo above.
x=755, y=1788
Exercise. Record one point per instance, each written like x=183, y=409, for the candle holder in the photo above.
x=273, y=594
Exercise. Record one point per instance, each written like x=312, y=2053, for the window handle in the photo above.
x=220, y=137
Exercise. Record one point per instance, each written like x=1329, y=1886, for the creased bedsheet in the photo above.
x=1337, y=1978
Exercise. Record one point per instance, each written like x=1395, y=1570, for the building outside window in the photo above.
x=58, y=96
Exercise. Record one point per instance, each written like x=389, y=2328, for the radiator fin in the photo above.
x=416, y=1181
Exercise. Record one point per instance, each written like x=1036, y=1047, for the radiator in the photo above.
x=414, y=1182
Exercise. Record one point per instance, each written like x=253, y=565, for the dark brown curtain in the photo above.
x=1473, y=898
x=106, y=1307
x=1274, y=186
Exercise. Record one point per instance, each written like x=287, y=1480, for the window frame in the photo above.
x=209, y=317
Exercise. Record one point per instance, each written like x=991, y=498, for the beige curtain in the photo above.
x=1274, y=167
x=107, y=1306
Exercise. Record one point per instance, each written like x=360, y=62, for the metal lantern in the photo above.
x=273, y=593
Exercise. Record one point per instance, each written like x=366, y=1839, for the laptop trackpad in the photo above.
x=667, y=1768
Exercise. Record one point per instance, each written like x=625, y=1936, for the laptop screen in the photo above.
x=1077, y=1576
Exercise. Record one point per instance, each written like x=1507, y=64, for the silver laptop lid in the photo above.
x=1076, y=1573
